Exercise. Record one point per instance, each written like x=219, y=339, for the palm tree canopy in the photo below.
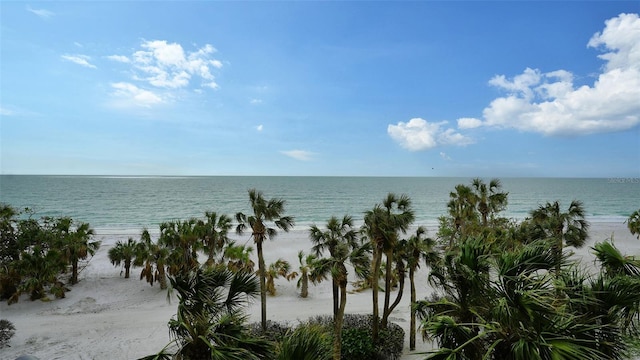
x=263, y=212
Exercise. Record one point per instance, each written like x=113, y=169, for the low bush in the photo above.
x=7, y=330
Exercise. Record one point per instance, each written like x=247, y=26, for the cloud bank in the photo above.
x=549, y=103
x=162, y=66
x=301, y=155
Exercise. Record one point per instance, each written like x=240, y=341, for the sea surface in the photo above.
x=127, y=204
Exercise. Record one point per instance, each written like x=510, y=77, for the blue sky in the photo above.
x=321, y=88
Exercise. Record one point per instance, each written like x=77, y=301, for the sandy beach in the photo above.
x=106, y=316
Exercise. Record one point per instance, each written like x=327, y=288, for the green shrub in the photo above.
x=357, y=344
x=7, y=330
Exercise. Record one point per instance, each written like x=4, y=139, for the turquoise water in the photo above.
x=135, y=202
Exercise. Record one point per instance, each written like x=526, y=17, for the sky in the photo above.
x=321, y=88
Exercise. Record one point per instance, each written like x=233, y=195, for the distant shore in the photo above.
x=108, y=317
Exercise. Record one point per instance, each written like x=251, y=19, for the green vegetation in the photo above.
x=7, y=330
x=503, y=289
x=35, y=255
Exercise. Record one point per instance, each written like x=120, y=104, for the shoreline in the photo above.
x=106, y=316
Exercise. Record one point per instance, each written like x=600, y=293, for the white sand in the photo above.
x=108, y=317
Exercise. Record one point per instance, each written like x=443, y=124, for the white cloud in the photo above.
x=550, y=104
x=255, y=101
x=301, y=155
x=131, y=95
x=469, y=123
x=43, y=13
x=259, y=127
x=419, y=134
x=6, y=112
x=444, y=156
x=167, y=65
x=119, y=58
x=82, y=60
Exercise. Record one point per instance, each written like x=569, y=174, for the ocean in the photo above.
x=125, y=204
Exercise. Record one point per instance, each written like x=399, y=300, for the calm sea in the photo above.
x=113, y=203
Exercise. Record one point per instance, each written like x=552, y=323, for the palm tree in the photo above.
x=336, y=232
x=613, y=263
x=306, y=266
x=215, y=234
x=239, y=257
x=264, y=213
x=462, y=215
x=418, y=249
x=279, y=268
x=336, y=266
x=153, y=258
x=381, y=226
x=182, y=238
x=489, y=199
x=209, y=322
x=633, y=223
x=123, y=253
x=568, y=228
x=75, y=244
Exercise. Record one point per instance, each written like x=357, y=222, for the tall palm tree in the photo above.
x=123, y=253
x=418, y=249
x=337, y=231
x=488, y=198
x=568, y=227
x=214, y=234
x=267, y=217
x=381, y=226
x=462, y=213
x=209, y=322
x=335, y=265
x=153, y=258
x=75, y=244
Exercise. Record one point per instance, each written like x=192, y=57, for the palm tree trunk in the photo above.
x=337, y=324
x=304, y=291
x=387, y=289
x=74, y=272
x=263, y=288
x=385, y=316
x=334, y=286
x=162, y=278
x=127, y=267
x=412, y=326
x=375, y=268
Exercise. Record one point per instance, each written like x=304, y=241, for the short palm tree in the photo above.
x=336, y=232
x=123, y=253
x=153, y=258
x=75, y=243
x=239, y=257
x=267, y=216
x=561, y=228
x=182, y=238
x=209, y=322
x=306, y=266
x=215, y=234
x=280, y=268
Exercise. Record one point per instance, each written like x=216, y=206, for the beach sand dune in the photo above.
x=106, y=316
